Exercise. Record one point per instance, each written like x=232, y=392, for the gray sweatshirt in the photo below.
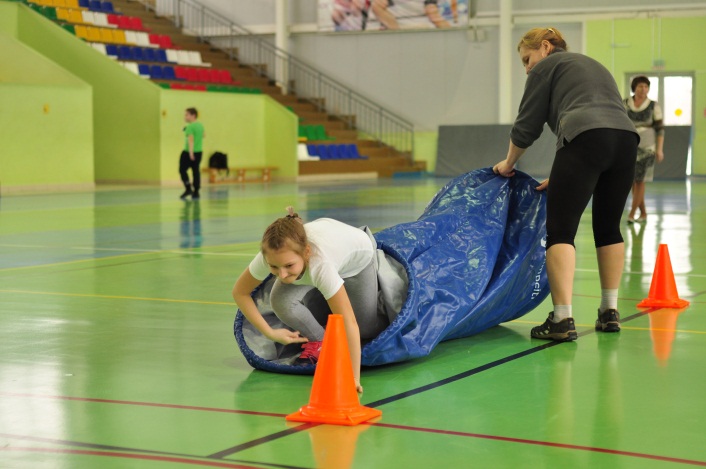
x=572, y=93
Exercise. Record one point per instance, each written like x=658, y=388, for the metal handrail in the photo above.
x=290, y=73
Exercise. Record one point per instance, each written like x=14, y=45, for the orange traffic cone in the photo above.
x=333, y=397
x=663, y=290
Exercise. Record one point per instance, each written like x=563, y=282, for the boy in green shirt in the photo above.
x=193, y=151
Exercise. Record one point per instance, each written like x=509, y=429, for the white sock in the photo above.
x=609, y=299
x=561, y=312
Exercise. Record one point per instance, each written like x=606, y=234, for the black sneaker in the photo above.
x=186, y=194
x=195, y=195
x=562, y=331
x=609, y=321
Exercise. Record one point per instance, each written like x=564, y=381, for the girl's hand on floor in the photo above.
x=286, y=337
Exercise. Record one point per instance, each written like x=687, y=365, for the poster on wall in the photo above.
x=380, y=15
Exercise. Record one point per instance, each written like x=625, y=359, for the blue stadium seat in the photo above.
x=168, y=73
x=125, y=53
x=137, y=54
x=351, y=152
x=161, y=55
x=335, y=152
x=156, y=72
x=150, y=55
x=107, y=7
x=111, y=50
x=323, y=152
x=84, y=3
x=312, y=150
x=95, y=5
x=144, y=69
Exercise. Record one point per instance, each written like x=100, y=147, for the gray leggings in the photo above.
x=304, y=309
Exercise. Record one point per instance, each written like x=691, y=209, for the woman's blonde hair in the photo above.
x=288, y=232
x=534, y=37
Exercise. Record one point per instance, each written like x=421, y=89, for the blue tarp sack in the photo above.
x=473, y=260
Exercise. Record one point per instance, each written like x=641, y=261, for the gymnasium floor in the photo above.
x=116, y=346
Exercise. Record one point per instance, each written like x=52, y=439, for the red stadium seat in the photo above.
x=181, y=73
x=124, y=22
x=204, y=75
x=225, y=77
x=176, y=86
x=200, y=88
x=113, y=19
x=154, y=39
x=136, y=23
x=192, y=74
x=165, y=42
x=214, y=75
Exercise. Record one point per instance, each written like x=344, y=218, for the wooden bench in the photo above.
x=222, y=176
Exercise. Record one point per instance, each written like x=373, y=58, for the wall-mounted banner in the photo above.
x=377, y=15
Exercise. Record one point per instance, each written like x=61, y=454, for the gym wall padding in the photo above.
x=465, y=147
x=677, y=39
x=462, y=148
x=47, y=121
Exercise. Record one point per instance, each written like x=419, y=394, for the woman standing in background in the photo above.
x=647, y=117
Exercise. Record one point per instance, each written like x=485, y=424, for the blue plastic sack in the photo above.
x=474, y=259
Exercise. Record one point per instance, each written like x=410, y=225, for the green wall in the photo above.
x=253, y=130
x=47, y=115
x=281, y=138
x=680, y=39
x=125, y=117
x=425, y=145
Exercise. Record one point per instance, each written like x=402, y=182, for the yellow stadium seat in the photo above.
x=75, y=17
x=62, y=14
x=107, y=35
x=94, y=34
x=72, y=4
x=60, y=3
x=118, y=36
x=82, y=32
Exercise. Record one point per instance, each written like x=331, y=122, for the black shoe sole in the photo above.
x=608, y=327
x=558, y=336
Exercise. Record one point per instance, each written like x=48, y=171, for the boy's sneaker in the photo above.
x=310, y=354
x=608, y=321
x=561, y=331
x=186, y=194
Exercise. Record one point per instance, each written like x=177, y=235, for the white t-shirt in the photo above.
x=338, y=251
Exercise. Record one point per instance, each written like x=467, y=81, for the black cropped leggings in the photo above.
x=598, y=163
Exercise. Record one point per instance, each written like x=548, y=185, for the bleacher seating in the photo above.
x=313, y=132
x=126, y=39
x=335, y=152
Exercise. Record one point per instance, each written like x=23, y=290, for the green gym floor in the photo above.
x=117, y=348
